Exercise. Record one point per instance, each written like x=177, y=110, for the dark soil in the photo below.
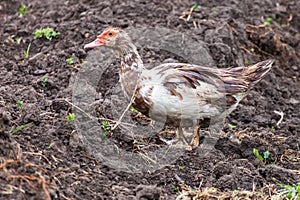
x=46, y=159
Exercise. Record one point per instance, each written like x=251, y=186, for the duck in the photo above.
x=180, y=95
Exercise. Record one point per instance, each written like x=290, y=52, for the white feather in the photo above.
x=191, y=106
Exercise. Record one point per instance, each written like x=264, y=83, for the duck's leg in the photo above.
x=179, y=137
x=167, y=135
x=195, y=140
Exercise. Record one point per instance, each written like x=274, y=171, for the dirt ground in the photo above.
x=41, y=156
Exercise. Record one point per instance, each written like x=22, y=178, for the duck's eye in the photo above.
x=110, y=33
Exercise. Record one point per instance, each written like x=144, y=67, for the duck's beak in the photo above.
x=96, y=43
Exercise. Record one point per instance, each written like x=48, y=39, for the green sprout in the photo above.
x=133, y=109
x=260, y=157
x=268, y=20
x=20, y=128
x=106, y=126
x=20, y=104
x=231, y=126
x=51, y=145
x=44, y=81
x=195, y=7
x=289, y=191
x=23, y=10
x=26, y=52
x=18, y=40
x=266, y=155
x=176, y=188
x=180, y=167
x=273, y=128
x=70, y=117
x=48, y=33
x=70, y=61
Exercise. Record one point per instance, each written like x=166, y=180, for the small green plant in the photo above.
x=48, y=33
x=133, y=109
x=195, y=7
x=231, y=126
x=289, y=191
x=268, y=20
x=266, y=155
x=260, y=157
x=70, y=117
x=70, y=61
x=23, y=10
x=273, y=128
x=164, y=134
x=26, y=52
x=176, y=188
x=51, y=145
x=20, y=128
x=44, y=81
x=20, y=104
x=181, y=167
x=18, y=40
x=106, y=126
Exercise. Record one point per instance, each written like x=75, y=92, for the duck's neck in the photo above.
x=131, y=62
x=131, y=68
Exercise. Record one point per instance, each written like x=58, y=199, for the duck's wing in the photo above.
x=184, y=91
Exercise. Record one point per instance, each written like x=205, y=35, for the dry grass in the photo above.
x=269, y=192
x=13, y=171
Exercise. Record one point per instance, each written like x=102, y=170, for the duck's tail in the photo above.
x=254, y=73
